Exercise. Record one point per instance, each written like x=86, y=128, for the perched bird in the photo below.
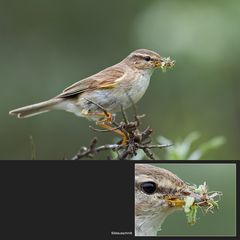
x=158, y=193
x=99, y=96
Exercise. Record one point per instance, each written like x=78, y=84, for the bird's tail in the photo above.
x=35, y=109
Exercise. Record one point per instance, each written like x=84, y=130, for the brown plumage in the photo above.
x=109, y=88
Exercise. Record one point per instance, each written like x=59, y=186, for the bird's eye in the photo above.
x=147, y=58
x=148, y=187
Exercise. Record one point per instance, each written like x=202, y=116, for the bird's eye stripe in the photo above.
x=166, y=190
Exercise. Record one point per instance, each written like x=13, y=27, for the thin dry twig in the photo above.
x=125, y=118
x=149, y=153
x=92, y=149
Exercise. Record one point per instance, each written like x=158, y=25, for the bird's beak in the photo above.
x=158, y=63
x=175, y=202
x=179, y=200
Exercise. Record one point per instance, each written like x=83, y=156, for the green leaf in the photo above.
x=182, y=149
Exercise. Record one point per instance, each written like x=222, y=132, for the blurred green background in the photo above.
x=47, y=45
x=223, y=221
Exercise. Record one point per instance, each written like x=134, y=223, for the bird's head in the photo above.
x=158, y=193
x=144, y=59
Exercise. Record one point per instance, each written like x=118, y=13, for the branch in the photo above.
x=137, y=139
x=92, y=150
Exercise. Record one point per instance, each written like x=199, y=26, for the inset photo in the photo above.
x=179, y=199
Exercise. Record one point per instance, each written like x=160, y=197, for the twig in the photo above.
x=132, y=103
x=149, y=153
x=124, y=155
x=155, y=146
x=124, y=115
x=89, y=152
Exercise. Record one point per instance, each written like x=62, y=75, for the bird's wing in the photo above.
x=108, y=78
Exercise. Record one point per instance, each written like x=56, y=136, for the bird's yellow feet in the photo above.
x=106, y=118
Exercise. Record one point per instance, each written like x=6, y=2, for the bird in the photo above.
x=100, y=96
x=158, y=193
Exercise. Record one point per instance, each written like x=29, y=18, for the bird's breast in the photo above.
x=139, y=85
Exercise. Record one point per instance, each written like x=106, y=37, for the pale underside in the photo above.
x=109, y=88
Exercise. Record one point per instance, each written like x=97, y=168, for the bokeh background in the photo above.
x=47, y=45
x=223, y=221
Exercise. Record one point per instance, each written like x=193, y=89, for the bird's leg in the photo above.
x=107, y=118
x=103, y=116
x=117, y=131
